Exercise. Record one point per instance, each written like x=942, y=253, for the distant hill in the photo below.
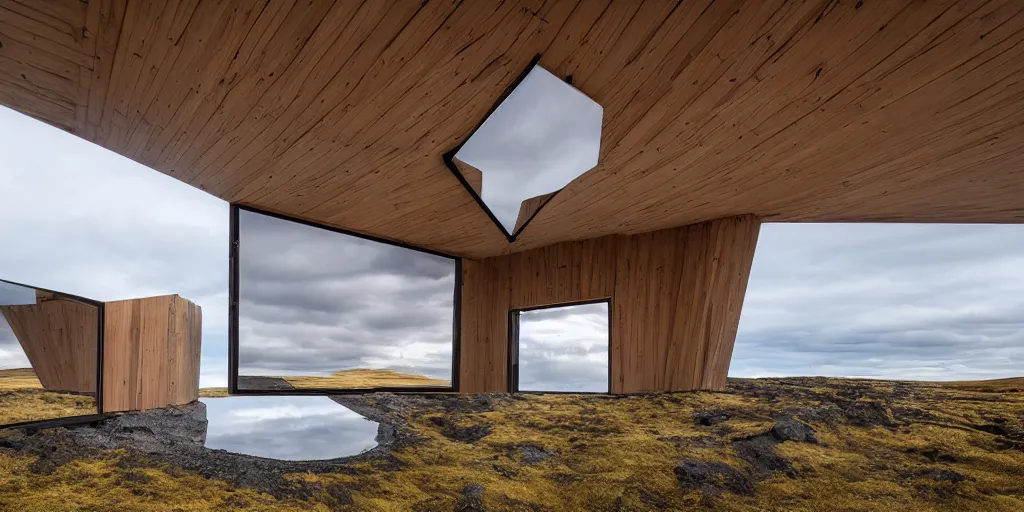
x=366, y=378
x=1011, y=384
x=19, y=378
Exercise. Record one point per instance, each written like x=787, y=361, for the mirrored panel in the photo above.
x=49, y=355
x=563, y=349
x=287, y=427
x=539, y=138
x=320, y=309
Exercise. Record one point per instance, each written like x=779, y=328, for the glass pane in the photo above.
x=322, y=309
x=48, y=355
x=564, y=349
x=541, y=137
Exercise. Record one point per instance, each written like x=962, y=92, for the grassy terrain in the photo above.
x=22, y=398
x=365, y=378
x=880, y=446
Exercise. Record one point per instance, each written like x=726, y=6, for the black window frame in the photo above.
x=233, y=311
x=449, y=157
x=513, y=347
x=82, y=418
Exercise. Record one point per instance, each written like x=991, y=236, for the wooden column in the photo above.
x=60, y=337
x=151, y=351
x=676, y=296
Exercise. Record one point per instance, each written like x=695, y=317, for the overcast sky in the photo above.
x=314, y=301
x=291, y=428
x=890, y=301
x=541, y=137
x=570, y=340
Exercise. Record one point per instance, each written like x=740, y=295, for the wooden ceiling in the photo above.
x=340, y=112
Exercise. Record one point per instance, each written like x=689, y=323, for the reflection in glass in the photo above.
x=287, y=428
x=48, y=355
x=322, y=309
x=564, y=349
x=541, y=137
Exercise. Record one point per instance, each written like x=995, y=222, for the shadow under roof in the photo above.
x=340, y=113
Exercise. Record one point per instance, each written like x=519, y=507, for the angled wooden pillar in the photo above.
x=676, y=296
x=151, y=350
x=60, y=337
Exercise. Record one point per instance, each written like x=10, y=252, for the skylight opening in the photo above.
x=545, y=134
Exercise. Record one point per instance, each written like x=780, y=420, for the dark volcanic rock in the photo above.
x=533, y=454
x=250, y=382
x=759, y=452
x=711, y=478
x=472, y=498
x=465, y=434
x=789, y=429
x=868, y=413
x=155, y=430
x=708, y=418
x=939, y=475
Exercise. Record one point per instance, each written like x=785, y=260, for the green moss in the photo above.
x=618, y=453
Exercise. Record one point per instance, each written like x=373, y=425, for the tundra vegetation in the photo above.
x=763, y=444
x=22, y=398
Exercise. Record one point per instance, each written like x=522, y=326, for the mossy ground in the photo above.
x=882, y=446
x=22, y=398
x=364, y=378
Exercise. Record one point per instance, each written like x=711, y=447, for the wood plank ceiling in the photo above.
x=339, y=112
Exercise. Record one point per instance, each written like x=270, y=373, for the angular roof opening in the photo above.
x=543, y=135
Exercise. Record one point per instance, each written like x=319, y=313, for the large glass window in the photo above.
x=321, y=309
x=562, y=349
x=49, y=346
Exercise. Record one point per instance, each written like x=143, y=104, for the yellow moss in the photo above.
x=37, y=404
x=213, y=392
x=19, y=378
x=364, y=378
x=100, y=485
x=22, y=398
x=617, y=453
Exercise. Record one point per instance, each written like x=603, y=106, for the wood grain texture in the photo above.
x=60, y=337
x=483, y=348
x=339, y=111
x=529, y=208
x=151, y=352
x=676, y=297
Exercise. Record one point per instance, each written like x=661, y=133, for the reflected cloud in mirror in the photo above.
x=319, y=309
x=564, y=349
x=287, y=428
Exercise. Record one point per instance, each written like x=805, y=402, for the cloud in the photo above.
x=80, y=219
x=564, y=349
x=892, y=301
x=292, y=428
x=11, y=354
x=314, y=301
x=544, y=135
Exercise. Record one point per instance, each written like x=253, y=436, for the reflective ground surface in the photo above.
x=287, y=427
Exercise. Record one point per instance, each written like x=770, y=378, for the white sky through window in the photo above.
x=541, y=137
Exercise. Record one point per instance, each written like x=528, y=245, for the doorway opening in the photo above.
x=561, y=348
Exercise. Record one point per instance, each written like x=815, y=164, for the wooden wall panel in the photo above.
x=60, y=338
x=151, y=353
x=483, y=347
x=676, y=297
